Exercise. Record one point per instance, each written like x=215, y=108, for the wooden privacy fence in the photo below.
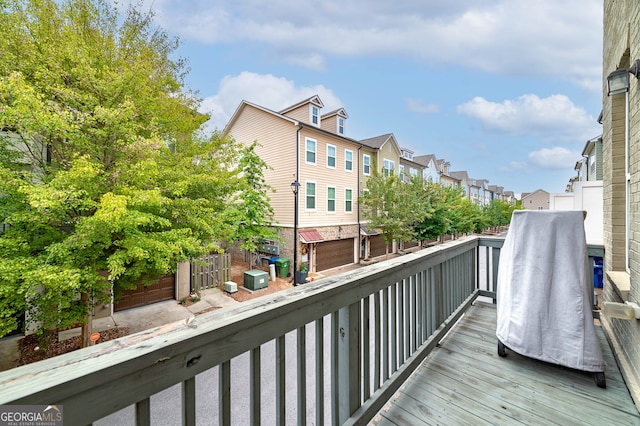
x=210, y=271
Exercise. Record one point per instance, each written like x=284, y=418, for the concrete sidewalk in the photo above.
x=161, y=313
x=136, y=319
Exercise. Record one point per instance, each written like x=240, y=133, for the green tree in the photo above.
x=439, y=222
x=467, y=217
x=394, y=206
x=251, y=211
x=106, y=178
x=498, y=213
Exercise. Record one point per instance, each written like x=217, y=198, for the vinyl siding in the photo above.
x=325, y=177
x=330, y=123
x=277, y=140
x=303, y=113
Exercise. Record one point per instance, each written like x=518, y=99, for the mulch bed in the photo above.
x=32, y=349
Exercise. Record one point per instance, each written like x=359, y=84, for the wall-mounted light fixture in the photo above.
x=618, y=81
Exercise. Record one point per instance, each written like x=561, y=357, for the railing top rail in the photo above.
x=167, y=355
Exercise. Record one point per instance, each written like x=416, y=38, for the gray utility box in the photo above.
x=256, y=279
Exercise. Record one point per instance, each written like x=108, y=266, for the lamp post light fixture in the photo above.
x=295, y=187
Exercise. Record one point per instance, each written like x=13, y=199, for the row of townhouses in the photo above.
x=309, y=153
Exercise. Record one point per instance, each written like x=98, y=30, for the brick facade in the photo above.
x=621, y=48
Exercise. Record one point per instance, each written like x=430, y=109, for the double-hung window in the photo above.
x=348, y=160
x=348, y=200
x=331, y=156
x=311, y=195
x=331, y=199
x=388, y=167
x=340, y=126
x=311, y=148
x=366, y=164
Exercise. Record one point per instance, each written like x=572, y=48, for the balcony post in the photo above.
x=349, y=361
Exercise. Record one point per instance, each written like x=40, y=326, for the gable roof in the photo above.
x=529, y=194
x=315, y=100
x=461, y=175
x=378, y=141
x=245, y=104
x=340, y=112
x=425, y=159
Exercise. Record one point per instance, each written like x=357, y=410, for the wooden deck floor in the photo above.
x=464, y=382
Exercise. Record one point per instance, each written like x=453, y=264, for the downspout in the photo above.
x=358, y=196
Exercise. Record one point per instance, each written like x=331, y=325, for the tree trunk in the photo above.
x=86, y=324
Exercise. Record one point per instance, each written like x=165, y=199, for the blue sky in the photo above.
x=508, y=90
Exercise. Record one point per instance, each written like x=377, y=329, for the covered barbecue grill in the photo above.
x=543, y=294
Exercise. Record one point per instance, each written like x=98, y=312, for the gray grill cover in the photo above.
x=543, y=294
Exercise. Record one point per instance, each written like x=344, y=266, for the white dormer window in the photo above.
x=340, y=126
x=315, y=115
x=407, y=154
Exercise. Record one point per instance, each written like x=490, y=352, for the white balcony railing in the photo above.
x=329, y=352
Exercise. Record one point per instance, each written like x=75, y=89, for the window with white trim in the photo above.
x=331, y=199
x=310, y=194
x=315, y=115
x=366, y=164
x=388, y=167
x=311, y=148
x=348, y=200
x=348, y=160
x=331, y=156
x=340, y=126
x=401, y=172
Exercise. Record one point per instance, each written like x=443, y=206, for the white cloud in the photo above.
x=267, y=90
x=515, y=37
x=514, y=166
x=418, y=105
x=554, y=158
x=554, y=118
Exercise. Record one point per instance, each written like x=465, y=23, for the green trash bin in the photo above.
x=282, y=265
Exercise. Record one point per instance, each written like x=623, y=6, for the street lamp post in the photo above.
x=295, y=187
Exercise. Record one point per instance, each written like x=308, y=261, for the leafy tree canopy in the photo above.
x=105, y=175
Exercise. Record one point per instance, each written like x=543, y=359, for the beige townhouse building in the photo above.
x=536, y=200
x=304, y=145
x=301, y=144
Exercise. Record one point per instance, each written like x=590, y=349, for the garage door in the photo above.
x=163, y=289
x=332, y=254
x=378, y=246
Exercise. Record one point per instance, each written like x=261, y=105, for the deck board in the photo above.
x=464, y=381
